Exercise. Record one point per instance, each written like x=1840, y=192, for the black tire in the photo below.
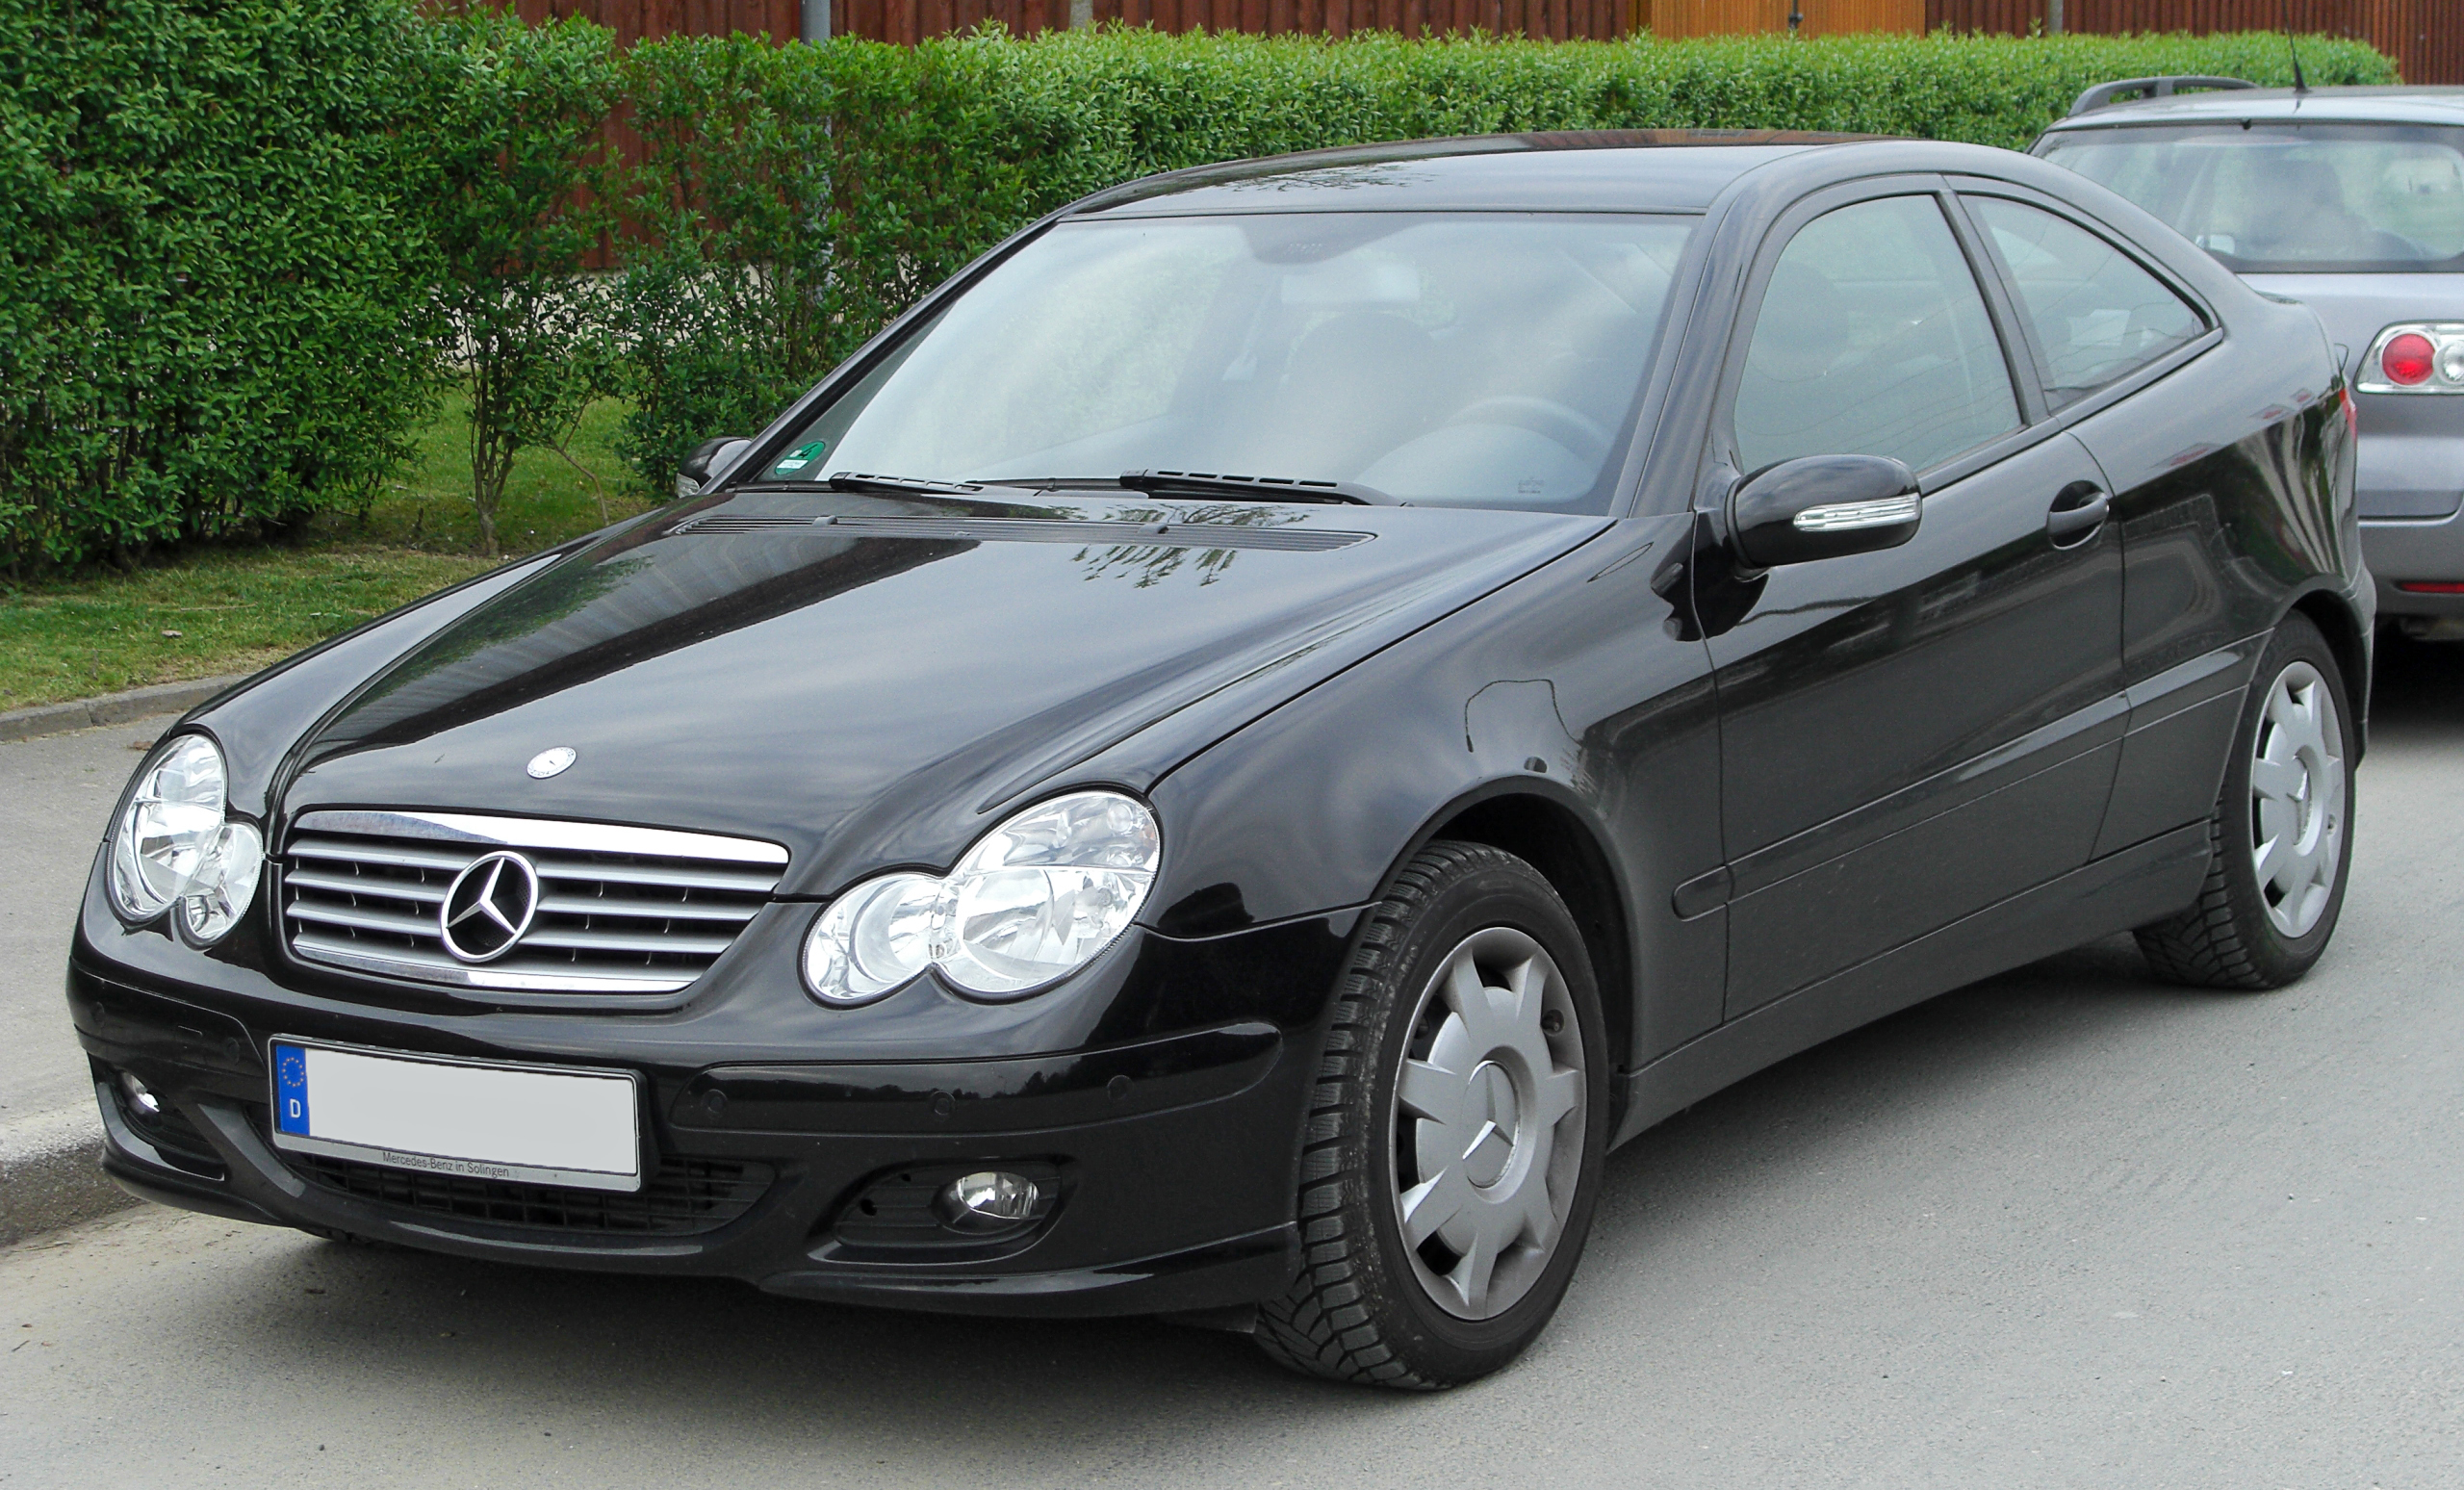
x=1359, y=1311
x=2228, y=939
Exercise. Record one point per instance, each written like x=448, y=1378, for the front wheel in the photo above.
x=2282, y=833
x=1456, y=1140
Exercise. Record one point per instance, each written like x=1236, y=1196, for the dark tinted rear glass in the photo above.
x=2291, y=198
x=2095, y=315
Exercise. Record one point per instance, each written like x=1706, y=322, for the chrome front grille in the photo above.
x=615, y=910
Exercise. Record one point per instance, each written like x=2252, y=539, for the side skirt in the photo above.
x=2120, y=891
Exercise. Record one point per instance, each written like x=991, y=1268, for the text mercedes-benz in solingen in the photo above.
x=1222, y=762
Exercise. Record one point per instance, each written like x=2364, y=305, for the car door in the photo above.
x=1910, y=735
x=2115, y=343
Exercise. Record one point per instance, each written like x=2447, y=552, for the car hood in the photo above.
x=871, y=682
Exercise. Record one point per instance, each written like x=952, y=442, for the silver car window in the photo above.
x=2289, y=198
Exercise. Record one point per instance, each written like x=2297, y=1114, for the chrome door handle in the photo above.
x=2064, y=524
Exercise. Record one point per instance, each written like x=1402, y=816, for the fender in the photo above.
x=1573, y=692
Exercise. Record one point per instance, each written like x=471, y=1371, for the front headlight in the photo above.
x=1032, y=902
x=173, y=844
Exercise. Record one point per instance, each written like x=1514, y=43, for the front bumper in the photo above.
x=1171, y=1134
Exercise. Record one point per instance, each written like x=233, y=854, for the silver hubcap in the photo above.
x=2297, y=799
x=1488, y=1125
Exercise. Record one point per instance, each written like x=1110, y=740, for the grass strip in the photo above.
x=232, y=608
x=212, y=613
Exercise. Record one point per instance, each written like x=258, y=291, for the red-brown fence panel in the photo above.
x=2424, y=36
x=1558, y=20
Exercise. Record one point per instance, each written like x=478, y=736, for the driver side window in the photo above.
x=1873, y=339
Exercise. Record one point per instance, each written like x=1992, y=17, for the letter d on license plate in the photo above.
x=534, y=1124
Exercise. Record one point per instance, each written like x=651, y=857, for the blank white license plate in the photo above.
x=529, y=1124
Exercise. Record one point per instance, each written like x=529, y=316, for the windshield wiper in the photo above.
x=1208, y=483
x=917, y=487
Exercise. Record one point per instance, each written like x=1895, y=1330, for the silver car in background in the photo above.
x=2351, y=200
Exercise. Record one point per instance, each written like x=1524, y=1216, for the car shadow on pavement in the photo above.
x=543, y=1353
x=2417, y=692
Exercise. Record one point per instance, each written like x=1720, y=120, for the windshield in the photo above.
x=1454, y=358
x=2291, y=198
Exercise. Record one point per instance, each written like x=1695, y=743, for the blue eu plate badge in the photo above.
x=291, y=1088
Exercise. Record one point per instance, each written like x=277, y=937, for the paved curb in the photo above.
x=177, y=698
x=49, y=1176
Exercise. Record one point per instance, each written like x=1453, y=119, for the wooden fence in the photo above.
x=910, y=21
x=1815, y=17
x=1548, y=20
x=647, y=20
x=2424, y=36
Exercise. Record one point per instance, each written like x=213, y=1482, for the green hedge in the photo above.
x=234, y=234
x=799, y=197
x=211, y=307
x=794, y=199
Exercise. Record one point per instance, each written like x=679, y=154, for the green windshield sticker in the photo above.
x=800, y=456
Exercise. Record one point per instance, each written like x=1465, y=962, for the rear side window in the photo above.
x=1872, y=339
x=2095, y=315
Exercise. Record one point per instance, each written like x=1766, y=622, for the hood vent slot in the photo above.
x=995, y=529
x=616, y=910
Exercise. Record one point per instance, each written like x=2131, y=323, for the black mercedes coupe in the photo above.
x=1222, y=762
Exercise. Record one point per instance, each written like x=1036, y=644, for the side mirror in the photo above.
x=1823, y=506
x=707, y=457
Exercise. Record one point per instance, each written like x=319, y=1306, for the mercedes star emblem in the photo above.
x=548, y=762
x=489, y=907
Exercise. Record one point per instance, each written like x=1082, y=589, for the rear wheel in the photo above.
x=2281, y=835
x=1455, y=1142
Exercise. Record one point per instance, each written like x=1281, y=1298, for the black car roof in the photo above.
x=1632, y=170
x=2395, y=105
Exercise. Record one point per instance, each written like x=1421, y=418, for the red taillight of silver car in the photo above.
x=2416, y=357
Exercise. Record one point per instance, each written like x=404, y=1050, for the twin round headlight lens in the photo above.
x=174, y=847
x=1034, y=901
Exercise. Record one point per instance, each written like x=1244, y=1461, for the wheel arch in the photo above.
x=2334, y=617
x=1530, y=820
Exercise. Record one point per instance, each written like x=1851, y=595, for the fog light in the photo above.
x=988, y=1201
x=140, y=1095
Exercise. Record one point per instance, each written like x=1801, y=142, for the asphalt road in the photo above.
x=2067, y=1227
